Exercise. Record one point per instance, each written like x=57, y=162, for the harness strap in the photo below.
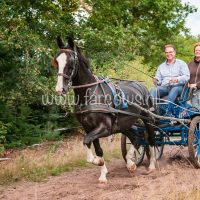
x=104, y=108
x=64, y=75
x=119, y=98
x=89, y=84
x=90, y=109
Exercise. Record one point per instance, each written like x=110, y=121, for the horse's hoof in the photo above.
x=98, y=161
x=149, y=171
x=132, y=169
x=103, y=180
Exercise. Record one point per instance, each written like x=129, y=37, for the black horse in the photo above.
x=96, y=107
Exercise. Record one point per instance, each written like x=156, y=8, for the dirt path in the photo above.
x=174, y=176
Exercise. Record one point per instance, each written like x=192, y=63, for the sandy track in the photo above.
x=173, y=176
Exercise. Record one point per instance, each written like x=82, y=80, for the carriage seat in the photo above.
x=170, y=109
x=183, y=96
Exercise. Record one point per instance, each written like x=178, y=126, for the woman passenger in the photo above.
x=194, y=82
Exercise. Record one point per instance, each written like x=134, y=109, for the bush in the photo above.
x=3, y=134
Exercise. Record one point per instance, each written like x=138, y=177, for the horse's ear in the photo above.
x=71, y=42
x=54, y=63
x=60, y=43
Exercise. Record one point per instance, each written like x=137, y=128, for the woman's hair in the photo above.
x=196, y=45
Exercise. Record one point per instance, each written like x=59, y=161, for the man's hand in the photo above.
x=174, y=80
x=193, y=85
x=155, y=81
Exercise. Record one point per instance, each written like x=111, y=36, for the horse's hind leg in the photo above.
x=131, y=166
x=151, y=141
x=152, y=165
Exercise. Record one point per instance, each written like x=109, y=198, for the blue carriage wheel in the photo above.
x=194, y=141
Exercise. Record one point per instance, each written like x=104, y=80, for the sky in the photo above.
x=193, y=20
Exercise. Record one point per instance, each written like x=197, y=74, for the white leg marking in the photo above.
x=152, y=164
x=94, y=160
x=104, y=171
x=98, y=161
x=90, y=156
x=130, y=164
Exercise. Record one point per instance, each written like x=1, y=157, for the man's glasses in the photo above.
x=169, y=52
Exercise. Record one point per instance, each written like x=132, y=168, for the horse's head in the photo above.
x=66, y=61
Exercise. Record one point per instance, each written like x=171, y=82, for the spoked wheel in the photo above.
x=139, y=150
x=158, y=149
x=194, y=141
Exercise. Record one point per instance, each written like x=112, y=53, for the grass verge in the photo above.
x=51, y=159
x=193, y=194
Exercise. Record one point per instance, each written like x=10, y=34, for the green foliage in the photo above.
x=133, y=27
x=185, y=47
x=25, y=72
x=3, y=133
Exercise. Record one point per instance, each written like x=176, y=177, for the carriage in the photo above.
x=124, y=113
x=169, y=132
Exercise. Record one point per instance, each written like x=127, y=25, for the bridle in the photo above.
x=74, y=68
x=75, y=71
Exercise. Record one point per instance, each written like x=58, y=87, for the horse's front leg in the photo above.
x=98, y=160
x=90, y=156
x=93, y=136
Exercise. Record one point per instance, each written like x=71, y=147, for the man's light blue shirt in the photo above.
x=178, y=69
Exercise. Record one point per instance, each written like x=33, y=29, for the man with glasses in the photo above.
x=170, y=77
x=194, y=82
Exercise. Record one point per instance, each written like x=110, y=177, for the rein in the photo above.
x=104, y=108
x=89, y=84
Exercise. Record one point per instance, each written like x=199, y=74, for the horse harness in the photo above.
x=115, y=110
x=101, y=108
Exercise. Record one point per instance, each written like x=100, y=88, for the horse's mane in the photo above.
x=82, y=60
